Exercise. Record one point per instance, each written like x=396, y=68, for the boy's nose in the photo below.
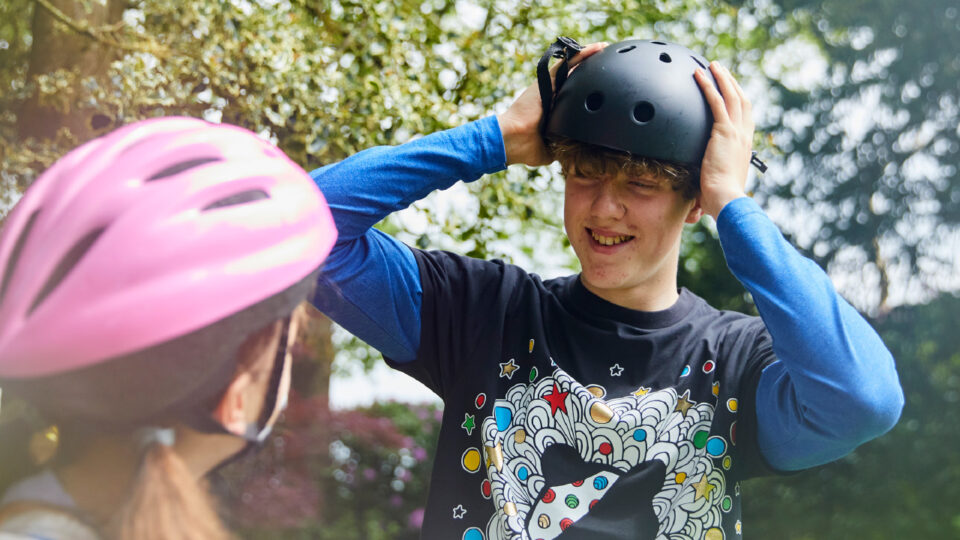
x=607, y=203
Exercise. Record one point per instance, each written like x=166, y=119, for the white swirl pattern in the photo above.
x=527, y=427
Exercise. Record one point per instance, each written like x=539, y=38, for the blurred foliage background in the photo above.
x=857, y=101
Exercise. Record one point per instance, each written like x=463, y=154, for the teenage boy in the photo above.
x=608, y=404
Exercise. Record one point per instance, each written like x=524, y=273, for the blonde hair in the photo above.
x=593, y=161
x=166, y=502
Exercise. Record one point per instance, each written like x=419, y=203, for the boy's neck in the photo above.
x=647, y=297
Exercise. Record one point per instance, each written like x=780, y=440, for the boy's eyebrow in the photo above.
x=647, y=179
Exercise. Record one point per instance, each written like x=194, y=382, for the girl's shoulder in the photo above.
x=24, y=520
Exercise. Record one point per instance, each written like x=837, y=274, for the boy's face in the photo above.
x=626, y=232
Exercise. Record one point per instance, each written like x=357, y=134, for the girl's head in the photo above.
x=150, y=272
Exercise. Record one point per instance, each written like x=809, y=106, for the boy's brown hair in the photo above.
x=589, y=160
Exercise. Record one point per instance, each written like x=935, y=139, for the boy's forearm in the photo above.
x=834, y=385
x=366, y=187
x=371, y=284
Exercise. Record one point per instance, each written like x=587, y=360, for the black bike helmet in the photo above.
x=635, y=96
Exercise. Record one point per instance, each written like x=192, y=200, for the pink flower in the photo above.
x=415, y=520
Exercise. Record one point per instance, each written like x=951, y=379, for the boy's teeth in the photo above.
x=609, y=240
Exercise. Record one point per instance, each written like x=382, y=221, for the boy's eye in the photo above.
x=644, y=185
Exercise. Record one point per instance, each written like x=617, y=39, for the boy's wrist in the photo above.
x=521, y=143
x=716, y=202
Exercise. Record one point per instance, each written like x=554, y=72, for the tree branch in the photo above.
x=99, y=34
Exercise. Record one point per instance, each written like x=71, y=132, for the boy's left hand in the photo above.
x=723, y=173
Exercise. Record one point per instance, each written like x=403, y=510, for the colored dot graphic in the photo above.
x=481, y=399
x=716, y=446
x=732, y=404
x=471, y=460
x=601, y=413
x=596, y=390
x=600, y=482
x=549, y=496
x=472, y=533
x=709, y=366
x=700, y=439
x=726, y=504
x=533, y=374
x=486, y=489
x=685, y=372
x=503, y=416
x=639, y=435
x=606, y=448
x=523, y=473
x=681, y=477
x=713, y=534
x=565, y=523
x=572, y=501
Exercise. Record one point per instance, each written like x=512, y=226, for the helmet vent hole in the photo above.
x=15, y=254
x=628, y=48
x=180, y=167
x=594, y=101
x=658, y=43
x=643, y=112
x=699, y=62
x=66, y=264
x=665, y=58
x=239, y=198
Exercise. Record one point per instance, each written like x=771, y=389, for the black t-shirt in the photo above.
x=566, y=416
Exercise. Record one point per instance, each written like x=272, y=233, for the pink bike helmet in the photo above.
x=136, y=266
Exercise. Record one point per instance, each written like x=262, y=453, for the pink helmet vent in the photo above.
x=154, y=231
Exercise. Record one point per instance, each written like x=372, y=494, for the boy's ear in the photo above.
x=696, y=212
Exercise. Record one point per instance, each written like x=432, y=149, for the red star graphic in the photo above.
x=556, y=400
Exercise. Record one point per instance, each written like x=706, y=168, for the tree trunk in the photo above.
x=315, y=349
x=60, y=44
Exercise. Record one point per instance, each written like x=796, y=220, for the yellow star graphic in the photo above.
x=683, y=403
x=507, y=369
x=642, y=391
x=703, y=488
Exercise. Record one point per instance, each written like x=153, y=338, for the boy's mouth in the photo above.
x=613, y=240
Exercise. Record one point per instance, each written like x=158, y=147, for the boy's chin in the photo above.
x=603, y=280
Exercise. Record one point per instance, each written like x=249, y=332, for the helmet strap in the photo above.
x=565, y=48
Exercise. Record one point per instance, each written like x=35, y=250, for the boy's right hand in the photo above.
x=520, y=123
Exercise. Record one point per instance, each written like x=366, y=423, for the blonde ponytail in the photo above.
x=166, y=503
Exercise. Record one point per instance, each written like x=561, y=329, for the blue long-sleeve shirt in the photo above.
x=833, y=386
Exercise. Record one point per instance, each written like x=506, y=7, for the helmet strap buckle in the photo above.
x=565, y=48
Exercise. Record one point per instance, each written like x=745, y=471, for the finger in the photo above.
x=745, y=105
x=730, y=97
x=588, y=51
x=714, y=100
x=746, y=112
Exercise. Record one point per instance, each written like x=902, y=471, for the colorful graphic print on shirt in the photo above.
x=560, y=458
